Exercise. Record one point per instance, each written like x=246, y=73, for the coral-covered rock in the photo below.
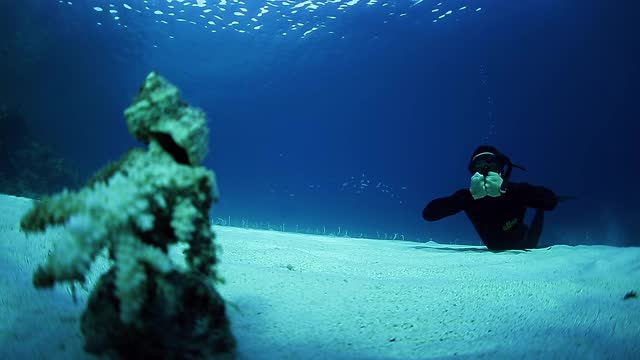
x=137, y=208
x=158, y=113
x=183, y=318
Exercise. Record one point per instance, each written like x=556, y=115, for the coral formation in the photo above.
x=136, y=208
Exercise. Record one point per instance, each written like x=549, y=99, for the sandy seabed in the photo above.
x=293, y=296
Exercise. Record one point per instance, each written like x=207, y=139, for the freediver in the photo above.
x=496, y=206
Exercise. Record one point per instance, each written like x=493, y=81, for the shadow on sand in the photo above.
x=461, y=248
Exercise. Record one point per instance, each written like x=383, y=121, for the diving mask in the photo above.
x=486, y=162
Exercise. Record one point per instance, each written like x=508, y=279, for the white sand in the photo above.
x=311, y=297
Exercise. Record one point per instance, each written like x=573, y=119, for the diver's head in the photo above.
x=487, y=158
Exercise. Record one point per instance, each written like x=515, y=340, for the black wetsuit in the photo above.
x=499, y=220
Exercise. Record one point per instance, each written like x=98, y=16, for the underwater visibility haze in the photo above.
x=350, y=114
x=387, y=120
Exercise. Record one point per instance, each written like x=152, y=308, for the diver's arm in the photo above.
x=537, y=197
x=447, y=206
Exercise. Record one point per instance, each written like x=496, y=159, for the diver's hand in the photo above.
x=493, y=184
x=478, y=189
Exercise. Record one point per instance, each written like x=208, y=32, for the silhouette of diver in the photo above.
x=495, y=206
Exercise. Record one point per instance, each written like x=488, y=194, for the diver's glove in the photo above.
x=478, y=189
x=494, y=184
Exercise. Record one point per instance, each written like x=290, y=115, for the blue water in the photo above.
x=348, y=117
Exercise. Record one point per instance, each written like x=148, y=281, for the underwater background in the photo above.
x=340, y=117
